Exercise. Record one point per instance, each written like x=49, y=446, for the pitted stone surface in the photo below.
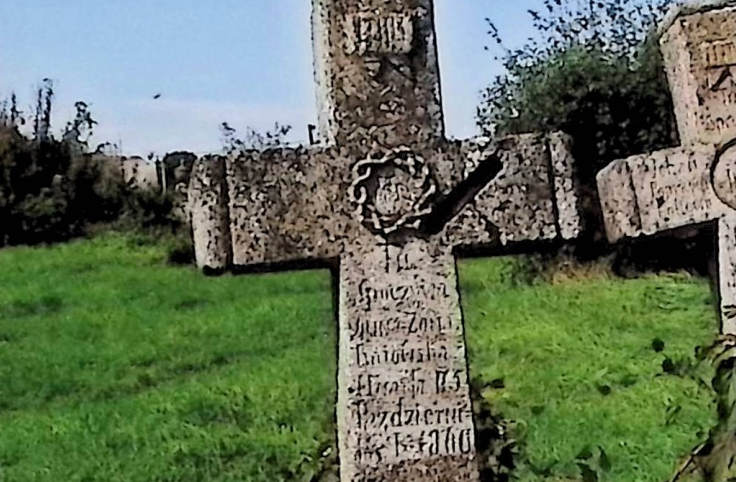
x=724, y=176
x=727, y=271
x=390, y=199
x=208, y=211
x=288, y=204
x=699, y=47
x=403, y=394
x=651, y=193
x=526, y=201
x=563, y=172
x=377, y=73
x=295, y=204
x=618, y=201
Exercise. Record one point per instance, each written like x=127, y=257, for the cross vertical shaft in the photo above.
x=404, y=407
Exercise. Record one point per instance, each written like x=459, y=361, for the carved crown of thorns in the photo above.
x=421, y=186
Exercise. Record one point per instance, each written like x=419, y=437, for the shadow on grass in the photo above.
x=45, y=305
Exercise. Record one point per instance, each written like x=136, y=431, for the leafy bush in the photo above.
x=52, y=190
x=713, y=460
x=595, y=73
x=96, y=187
x=34, y=206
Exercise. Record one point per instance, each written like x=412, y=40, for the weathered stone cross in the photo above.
x=389, y=199
x=651, y=193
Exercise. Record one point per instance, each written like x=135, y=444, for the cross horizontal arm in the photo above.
x=287, y=205
x=532, y=198
x=649, y=193
x=274, y=206
x=291, y=205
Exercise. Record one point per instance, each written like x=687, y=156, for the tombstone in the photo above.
x=140, y=174
x=207, y=213
x=390, y=203
x=684, y=186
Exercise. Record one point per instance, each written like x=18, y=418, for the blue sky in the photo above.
x=247, y=62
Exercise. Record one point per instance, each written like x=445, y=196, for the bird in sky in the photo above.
x=157, y=96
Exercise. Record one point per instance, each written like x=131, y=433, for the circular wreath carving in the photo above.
x=723, y=173
x=393, y=191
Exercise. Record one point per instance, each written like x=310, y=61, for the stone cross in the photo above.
x=695, y=183
x=390, y=201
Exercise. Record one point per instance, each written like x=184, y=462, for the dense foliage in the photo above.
x=54, y=189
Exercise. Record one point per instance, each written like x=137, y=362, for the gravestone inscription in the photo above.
x=699, y=50
x=389, y=200
x=651, y=193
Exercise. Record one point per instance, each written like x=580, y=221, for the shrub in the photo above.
x=53, y=190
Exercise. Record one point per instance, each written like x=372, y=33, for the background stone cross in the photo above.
x=389, y=200
x=652, y=193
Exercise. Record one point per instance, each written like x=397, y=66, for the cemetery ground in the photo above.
x=115, y=366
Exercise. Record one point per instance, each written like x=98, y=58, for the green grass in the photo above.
x=116, y=367
x=579, y=370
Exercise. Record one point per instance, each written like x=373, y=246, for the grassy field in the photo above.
x=116, y=367
x=579, y=371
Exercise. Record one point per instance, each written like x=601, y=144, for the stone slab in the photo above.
x=567, y=203
x=727, y=272
x=533, y=198
x=140, y=174
x=650, y=193
x=288, y=204
x=208, y=213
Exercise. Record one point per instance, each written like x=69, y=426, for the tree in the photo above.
x=10, y=115
x=52, y=189
x=42, y=118
x=595, y=72
x=79, y=130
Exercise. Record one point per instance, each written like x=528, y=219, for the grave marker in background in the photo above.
x=140, y=174
x=651, y=193
x=388, y=199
